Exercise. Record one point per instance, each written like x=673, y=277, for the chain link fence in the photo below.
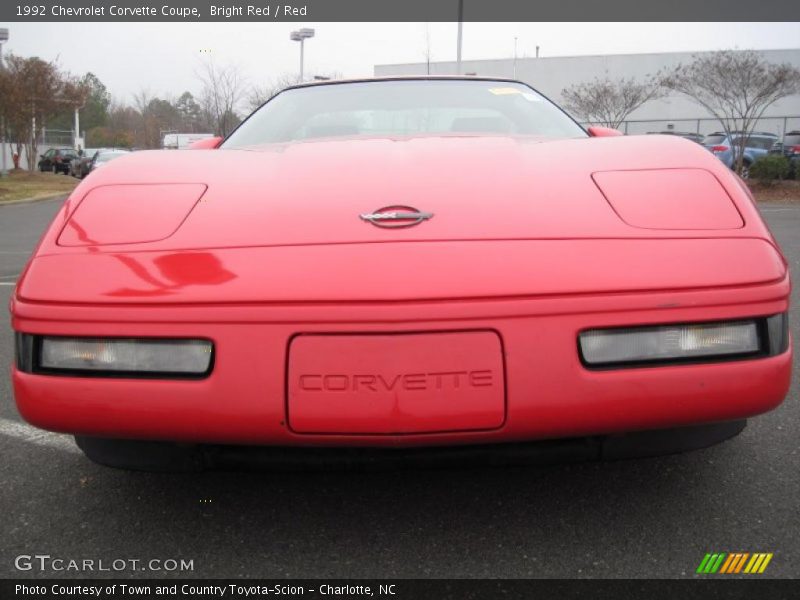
x=780, y=126
x=56, y=137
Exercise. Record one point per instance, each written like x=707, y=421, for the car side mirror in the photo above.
x=206, y=144
x=603, y=132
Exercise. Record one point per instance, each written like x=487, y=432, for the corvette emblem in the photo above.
x=396, y=217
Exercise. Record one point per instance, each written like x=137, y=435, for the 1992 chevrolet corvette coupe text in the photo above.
x=392, y=265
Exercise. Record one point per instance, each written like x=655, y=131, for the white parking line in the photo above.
x=8, y=283
x=29, y=434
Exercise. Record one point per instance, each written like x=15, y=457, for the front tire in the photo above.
x=141, y=455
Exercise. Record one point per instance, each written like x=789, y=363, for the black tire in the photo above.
x=141, y=455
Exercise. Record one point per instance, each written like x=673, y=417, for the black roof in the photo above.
x=405, y=78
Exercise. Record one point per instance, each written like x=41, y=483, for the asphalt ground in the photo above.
x=652, y=517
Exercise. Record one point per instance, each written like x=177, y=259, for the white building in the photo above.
x=551, y=75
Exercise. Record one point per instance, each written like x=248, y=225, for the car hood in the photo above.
x=511, y=217
x=476, y=188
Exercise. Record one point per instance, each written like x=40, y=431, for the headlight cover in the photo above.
x=115, y=357
x=690, y=342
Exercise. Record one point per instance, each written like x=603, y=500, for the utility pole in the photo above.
x=32, y=155
x=460, y=35
x=3, y=168
x=515, y=57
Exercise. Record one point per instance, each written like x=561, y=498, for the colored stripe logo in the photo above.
x=734, y=562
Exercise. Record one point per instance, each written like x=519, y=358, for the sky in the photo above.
x=165, y=59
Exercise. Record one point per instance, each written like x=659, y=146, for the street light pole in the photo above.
x=3, y=169
x=301, y=35
x=302, y=52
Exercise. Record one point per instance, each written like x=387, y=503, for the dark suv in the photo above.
x=790, y=148
x=57, y=160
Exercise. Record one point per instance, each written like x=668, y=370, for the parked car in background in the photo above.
x=80, y=165
x=790, y=148
x=695, y=137
x=723, y=146
x=102, y=157
x=57, y=160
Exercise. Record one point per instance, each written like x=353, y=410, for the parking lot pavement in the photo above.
x=638, y=518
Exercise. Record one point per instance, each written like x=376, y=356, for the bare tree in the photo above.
x=145, y=131
x=736, y=87
x=124, y=123
x=152, y=118
x=190, y=113
x=260, y=94
x=608, y=102
x=222, y=92
x=141, y=100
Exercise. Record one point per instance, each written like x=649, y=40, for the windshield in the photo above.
x=404, y=108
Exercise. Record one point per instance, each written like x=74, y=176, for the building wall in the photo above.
x=550, y=75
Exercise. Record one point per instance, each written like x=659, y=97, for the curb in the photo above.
x=34, y=199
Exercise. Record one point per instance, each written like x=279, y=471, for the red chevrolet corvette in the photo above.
x=404, y=265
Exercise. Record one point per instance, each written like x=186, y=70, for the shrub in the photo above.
x=770, y=168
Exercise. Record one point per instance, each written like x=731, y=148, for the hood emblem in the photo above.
x=396, y=217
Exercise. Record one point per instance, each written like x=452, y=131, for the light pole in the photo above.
x=3, y=169
x=301, y=35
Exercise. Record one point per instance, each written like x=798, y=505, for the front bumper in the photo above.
x=548, y=392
